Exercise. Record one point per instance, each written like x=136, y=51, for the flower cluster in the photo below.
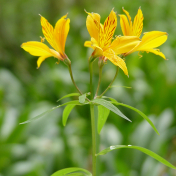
x=102, y=42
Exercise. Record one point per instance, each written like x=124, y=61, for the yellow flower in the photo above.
x=149, y=42
x=56, y=37
x=101, y=39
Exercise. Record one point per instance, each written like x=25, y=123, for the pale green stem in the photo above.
x=117, y=70
x=93, y=126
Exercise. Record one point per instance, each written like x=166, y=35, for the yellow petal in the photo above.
x=37, y=48
x=88, y=44
x=124, y=25
x=93, y=25
x=124, y=44
x=152, y=39
x=56, y=55
x=138, y=23
x=97, y=52
x=116, y=60
x=40, y=60
x=92, y=44
x=157, y=52
x=110, y=25
x=130, y=29
x=128, y=15
x=48, y=32
x=60, y=33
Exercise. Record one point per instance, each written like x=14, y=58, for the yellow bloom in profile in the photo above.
x=150, y=41
x=56, y=37
x=101, y=39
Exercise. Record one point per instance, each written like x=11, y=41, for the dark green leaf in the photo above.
x=144, y=150
x=66, y=113
x=76, y=102
x=111, y=107
x=69, y=95
x=136, y=110
x=102, y=117
x=73, y=171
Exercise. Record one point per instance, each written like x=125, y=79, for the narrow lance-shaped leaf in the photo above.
x=144, y=150
x=72, y=171
x=136, y=110
x=103, y=114
x=111, y=107
x=69, y=95
x=66, y=113
x=76, y=102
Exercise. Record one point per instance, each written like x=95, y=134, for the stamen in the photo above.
x=42, y=39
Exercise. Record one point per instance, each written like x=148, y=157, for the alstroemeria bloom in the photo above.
x=150, y=41
x=101, y=39
x=56, y=37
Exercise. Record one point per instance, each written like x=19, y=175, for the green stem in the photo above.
x=71, y=75
x=68, y=63
x=93, y=126
x=91, y=75
x=117, y=70
x=94, y=158
x=99, y=81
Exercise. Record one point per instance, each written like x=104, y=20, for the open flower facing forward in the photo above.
x=101, y=39
x=56, y=37
x=150, y=41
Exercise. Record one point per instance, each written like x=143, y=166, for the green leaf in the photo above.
x=72, y=171
x=111, y=107
x=102, y=117
x=66, y=113
x=82, y=97
x=76, y=102
x=136, y=110
x=69, y=95
x=144, y=150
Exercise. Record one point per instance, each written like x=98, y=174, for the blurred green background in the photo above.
x=44, y=146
